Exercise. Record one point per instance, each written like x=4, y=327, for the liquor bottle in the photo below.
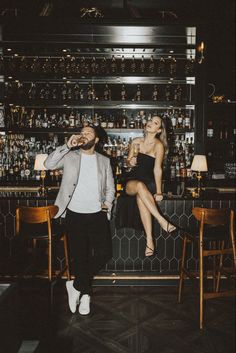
x=89, y=93
x=54, y=93
x=76, y=92
x=151, y=66
x=124, y=119
x=47, y=65
x=132, y=122
x=138, y=122
x=72, y=119
x=155, y=93
x=107, y=93
x=113, y=65
x=20, y=90
x=82, y=66
x=143, y=118
x=172, y=66
x=69, y=93
x=36, y=65
x=133, y=65
x=142, y=67
x=189, y=66
x=161, y=66
x=64, y=92
x=1, y=64
x=86, y=67
x=72, y=65
x=111, y=122
x=138, y=94
x=47, y=91
x=167, y=93
x=45, y=119
x=81, y=94
x=223, y=131
x=93, y=66
x=187, y=121
x=210, y=130
x=123, y=65
x=32, y=91
x=118, y=180
x=42, y=93
x=180, y=120
x=104, y=122
x=123, y=93
x=174, y=120
x=62, y=66
x=104, y=66
x=178, y=94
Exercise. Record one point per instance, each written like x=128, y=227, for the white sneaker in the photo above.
x=73, y=296
x=84, y=306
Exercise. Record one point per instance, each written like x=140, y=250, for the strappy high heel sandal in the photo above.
x=150, y=252
x=171, y=230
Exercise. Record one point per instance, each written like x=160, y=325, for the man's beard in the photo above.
x=88, y=145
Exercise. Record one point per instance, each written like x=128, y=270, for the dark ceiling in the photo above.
x=216, y=16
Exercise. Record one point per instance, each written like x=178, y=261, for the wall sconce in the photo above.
x=39, y=165
x=200, y=49
x=199, y=165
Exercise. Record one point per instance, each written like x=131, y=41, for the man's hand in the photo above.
x=104, y=208
x=75, y=140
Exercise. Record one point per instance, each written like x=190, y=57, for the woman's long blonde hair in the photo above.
x=162, y=136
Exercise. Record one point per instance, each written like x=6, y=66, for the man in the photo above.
x=85, y=199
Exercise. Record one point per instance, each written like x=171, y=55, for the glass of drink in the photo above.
x=136, y=150
x=78, y=140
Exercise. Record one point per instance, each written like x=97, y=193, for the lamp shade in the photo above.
x=39, y=162
x=199, y=163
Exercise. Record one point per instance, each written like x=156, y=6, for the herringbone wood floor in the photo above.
x=127, y=320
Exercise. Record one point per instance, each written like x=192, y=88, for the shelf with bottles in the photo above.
x=90, y=61
x=61, y=93
x=63, y=119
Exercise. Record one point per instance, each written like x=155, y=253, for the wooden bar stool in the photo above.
x=42, y=216
x=215, y=239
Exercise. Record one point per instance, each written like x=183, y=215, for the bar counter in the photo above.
x=128, y=243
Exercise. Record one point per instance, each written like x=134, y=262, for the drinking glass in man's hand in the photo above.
x=76, y=140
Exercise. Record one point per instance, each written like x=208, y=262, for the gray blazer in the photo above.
x=69, y=161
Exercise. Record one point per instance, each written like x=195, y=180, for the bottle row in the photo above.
x=71, y=65
x=81, y=92
x=17, y=154
x=220, y=131
x=21, y=117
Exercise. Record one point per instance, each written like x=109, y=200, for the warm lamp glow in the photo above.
x=199, y=163
x=39, y=162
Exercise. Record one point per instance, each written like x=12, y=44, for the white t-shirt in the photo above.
x=85, y=198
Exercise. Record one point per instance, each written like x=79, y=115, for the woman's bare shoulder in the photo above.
x=158, y=146
x=138, y=140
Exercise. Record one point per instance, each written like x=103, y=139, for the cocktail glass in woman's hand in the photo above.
x=136, y=150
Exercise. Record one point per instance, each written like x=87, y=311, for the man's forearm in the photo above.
x=55, y=159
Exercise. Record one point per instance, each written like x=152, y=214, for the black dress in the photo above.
x=143, y=171
x=127, y=213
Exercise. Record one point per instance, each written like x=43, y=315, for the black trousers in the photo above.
x=90, y=246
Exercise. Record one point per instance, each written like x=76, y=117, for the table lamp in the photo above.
x=39, y=165
x=199, y=164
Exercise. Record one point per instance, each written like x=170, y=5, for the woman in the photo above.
x=146, y=177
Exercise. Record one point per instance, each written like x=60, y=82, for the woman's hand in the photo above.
x=158, y=197
x=132, y=161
